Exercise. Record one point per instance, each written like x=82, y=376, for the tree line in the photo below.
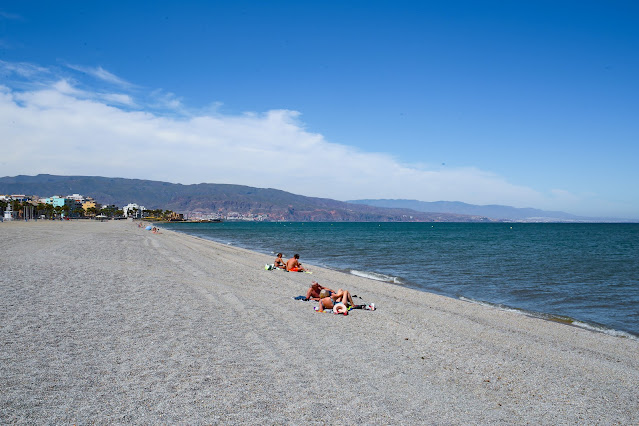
x=48, y=211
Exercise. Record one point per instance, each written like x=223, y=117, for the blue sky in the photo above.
x=522, y=103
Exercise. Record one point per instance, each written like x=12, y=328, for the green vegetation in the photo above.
x=48, y=211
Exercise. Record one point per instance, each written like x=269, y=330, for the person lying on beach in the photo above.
x=294, y=265
x=279, y=263
x=342, y=296
x=314, y=291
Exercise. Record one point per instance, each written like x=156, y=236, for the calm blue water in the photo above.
x=586, y=273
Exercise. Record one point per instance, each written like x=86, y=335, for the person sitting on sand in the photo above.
x=279, y=263
x=315, y=290
x=294, y=265
x=342, y=296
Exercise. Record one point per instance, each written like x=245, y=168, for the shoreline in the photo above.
x=398, y=281
x=107, y=322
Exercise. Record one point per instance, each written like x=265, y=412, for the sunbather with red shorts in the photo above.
x=294, y=265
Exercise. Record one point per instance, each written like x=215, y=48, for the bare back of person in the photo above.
x=294, y=265
x=279, y=263
x=314, y=292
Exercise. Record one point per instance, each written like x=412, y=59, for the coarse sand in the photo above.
x=106, y=322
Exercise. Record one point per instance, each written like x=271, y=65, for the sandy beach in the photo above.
x=110, y=323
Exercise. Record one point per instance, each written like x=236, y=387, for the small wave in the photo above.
x=555, y=318
x=493, y=305
x=377, y=276
x=606, y=330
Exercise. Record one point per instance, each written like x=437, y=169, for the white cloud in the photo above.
x=61, y=129
x=23, y=69
x=119, y=98
x=66, y=88
x=165, y=101
x=102, y=74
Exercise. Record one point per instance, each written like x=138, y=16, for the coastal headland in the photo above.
x=106, y=322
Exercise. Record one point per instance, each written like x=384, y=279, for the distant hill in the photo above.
x=491, y=211
x=217, y=198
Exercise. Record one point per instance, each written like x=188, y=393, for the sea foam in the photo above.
x=555, y=318
x=377, y=276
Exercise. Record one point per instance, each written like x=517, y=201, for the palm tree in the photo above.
x=40, y=208
x=17, y=207
x=46, y=210
x=49, y=211
x=78, y=210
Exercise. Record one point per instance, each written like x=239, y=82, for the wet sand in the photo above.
x=110, y=323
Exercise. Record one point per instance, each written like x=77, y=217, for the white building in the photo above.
x=75, y=197
x=8, y=213
x=133, y=210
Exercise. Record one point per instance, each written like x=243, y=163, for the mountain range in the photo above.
x=216, y=198
x=276, y=204
x=491, y=211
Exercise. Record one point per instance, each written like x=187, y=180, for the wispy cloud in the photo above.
x=24, y=69
x=30, y=77
x=119, y=98
x=60, y=128
x=102, y=74
x=161, y=100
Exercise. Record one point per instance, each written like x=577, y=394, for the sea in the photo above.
x=581, y=274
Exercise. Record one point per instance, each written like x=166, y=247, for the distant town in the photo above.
x=76, y=206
